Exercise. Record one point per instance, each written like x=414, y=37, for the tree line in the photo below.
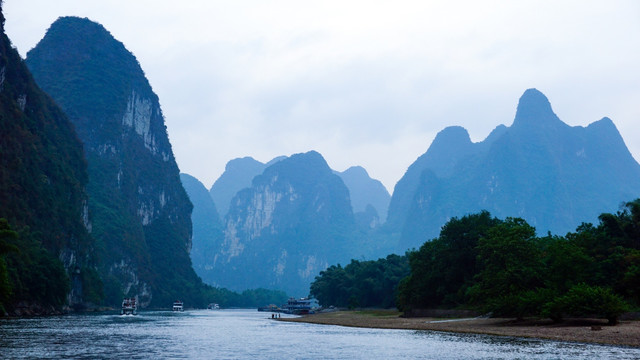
x=500, y=266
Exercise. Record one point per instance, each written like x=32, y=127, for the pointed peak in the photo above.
x=312, y=157
x=242, y=162
x=85, y=29
x=496, y=133
x=604, y=126
x=534, y=109
x=356, y=171
x=605, y=121
x=453, y=134
x=451, y=138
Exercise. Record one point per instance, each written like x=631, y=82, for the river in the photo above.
x=248, y=334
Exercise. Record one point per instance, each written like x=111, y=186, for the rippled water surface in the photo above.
x=241, y=334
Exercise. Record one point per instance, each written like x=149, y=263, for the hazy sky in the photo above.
x=363, y=82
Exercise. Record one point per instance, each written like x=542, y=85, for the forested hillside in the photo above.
x=141, y=214
x=45, y=251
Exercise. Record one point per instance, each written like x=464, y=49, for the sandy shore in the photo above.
x=583, y=330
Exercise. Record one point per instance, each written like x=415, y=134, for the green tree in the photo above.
x=361, y=283
x=564, y=263
x=585, y=300
x=433, y=280
x=511, y=269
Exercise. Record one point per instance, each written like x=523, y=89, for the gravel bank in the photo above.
x=580, y=330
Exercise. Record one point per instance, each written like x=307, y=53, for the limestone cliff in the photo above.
x=141, y=213
x=294, y=221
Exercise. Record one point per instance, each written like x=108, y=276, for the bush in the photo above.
x=584, y=300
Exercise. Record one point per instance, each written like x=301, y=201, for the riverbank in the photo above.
x=579, y=330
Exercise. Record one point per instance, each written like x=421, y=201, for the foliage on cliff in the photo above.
x=42, y=179
x=361, y=283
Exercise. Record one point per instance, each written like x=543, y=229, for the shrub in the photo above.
x=584, y=300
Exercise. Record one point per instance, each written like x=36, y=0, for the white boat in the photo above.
x=301, y=306
x=129, y=306
x=178, y=306
x=213, y=306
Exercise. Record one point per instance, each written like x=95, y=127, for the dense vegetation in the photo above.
x=361, y=283
x=500, y=266
x=44, y=245
x=29, y=273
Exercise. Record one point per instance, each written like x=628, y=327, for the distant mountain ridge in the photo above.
x=274, y=216
x=207, y=229
x=553, y=175
x=237, y=175
x=365, y=191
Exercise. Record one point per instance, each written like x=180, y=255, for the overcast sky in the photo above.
x=365, y=83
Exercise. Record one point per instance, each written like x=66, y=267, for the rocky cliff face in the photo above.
x=294, y=221
x=141, y=213
x=43, y=176
x=553, y=175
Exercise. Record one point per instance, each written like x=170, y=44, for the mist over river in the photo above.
x=247, y=334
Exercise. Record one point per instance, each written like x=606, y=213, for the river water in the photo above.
x=248, y=334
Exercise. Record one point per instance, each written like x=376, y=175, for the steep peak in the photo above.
x=534, y=110
x=80, y=24
x=604, y=123
x=453, y=141
x=311, y=158
x=496, y=133
x=358, y=171
x=452, y=136
x=298, y=166
x=605, y=131
x=80, y=35
x=243, y=163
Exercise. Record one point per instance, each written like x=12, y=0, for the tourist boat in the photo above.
x=213, y=306
x=301, y=306
x=129, y=306
x=178, y=306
